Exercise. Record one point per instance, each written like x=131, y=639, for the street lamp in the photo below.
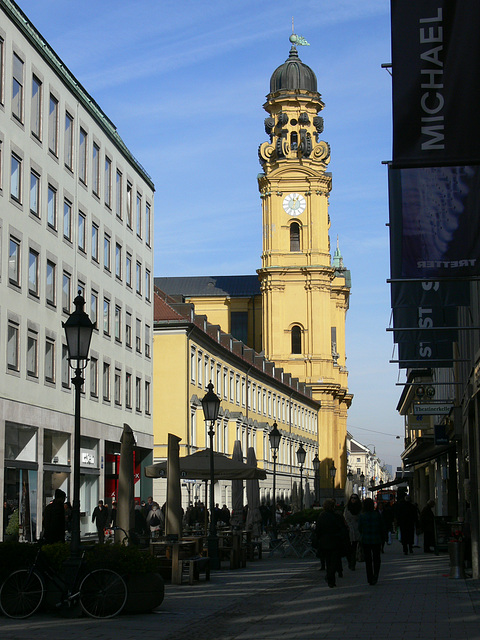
x=78, y=333
x=301, y=454
x=362, y=480
x=275, y=436
x=211, y=407
x=316, y=469
x=333, y=472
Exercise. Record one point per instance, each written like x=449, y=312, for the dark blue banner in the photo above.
x=436, y=82
x=434, y=222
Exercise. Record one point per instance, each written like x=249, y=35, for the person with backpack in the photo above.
x=155, y=520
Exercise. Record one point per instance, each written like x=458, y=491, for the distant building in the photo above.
x=76, y=214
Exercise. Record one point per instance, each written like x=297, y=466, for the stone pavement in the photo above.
x=287, y=599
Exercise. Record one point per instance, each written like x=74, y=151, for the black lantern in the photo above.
x=316, y=471
x=301, y=455
x=211, y=407
x=78, y=333
x=275, y=436
x=210, y=404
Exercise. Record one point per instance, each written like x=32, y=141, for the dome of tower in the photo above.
x=293, y=74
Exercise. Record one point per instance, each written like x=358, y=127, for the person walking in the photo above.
x=372, y=534
x=351, y=515
x=329, y=536
x=100, y=517
x=54, y=519
x=427, y=522
x=155, y=520
x=407, y=518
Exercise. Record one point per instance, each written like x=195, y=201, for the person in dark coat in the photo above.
x=351, y=515
x=407, y=518
x=101, y=518
x=330, y=534
x=54, y=519
x=427, y=522
x=113, y=515
x=372, y=532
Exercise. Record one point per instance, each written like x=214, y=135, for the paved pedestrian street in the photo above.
x=288, y=599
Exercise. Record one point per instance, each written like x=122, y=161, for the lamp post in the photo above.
x=301, y=454
x=362, y=480
x=372, y=485
x=316, y=469
x=78, y=333
x=333, y=472
x=211, y=407
x=275, y=436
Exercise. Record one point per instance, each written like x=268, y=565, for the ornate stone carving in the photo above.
x=321, y=152
x=318, y=124
x=269, y=125
x=265, y=152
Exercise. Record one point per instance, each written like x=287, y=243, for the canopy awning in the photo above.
x=424, y=449
x=197, y=467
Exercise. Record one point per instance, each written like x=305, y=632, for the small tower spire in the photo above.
x=337, y=260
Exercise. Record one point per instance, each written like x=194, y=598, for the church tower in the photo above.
x=305, y=293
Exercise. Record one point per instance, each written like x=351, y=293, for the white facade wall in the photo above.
x=36, y=396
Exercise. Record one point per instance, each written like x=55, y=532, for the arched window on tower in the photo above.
x=294, y=140
x=296, y=339
x=294, y=236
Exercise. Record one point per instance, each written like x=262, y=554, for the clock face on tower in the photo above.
x=294, y=204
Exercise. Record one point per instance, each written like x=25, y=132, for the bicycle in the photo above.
x=101, y=593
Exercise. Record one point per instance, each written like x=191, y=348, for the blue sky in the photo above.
x=185, y=81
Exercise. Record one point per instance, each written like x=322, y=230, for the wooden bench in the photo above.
x=194, y=567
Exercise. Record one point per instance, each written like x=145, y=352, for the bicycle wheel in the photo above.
x=103, y=593
x=21, y=594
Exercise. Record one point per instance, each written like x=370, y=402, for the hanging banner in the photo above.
x=434, y=222
x=436, y=84
x=417, y=350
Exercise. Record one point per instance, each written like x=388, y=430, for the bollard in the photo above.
x=456, y=551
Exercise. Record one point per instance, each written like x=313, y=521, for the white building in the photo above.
x=76, y=214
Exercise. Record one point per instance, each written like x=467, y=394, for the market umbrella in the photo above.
x=173, y=512
x=294, y=500
x=237, y=490
x=125, y=501
x=307, y=496
x=254, y=517
x=196, y=466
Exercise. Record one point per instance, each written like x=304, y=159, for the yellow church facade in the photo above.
x=189, y=352
x=293, y=310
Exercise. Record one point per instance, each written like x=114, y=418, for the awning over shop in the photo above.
x=400, y=479
x=424, y=450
